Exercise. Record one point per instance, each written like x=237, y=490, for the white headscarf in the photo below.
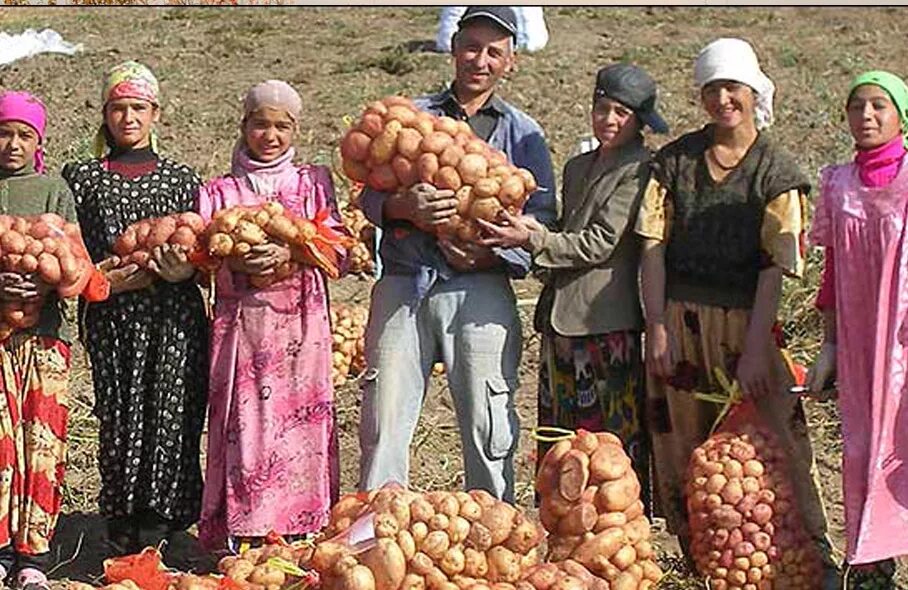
x=734, y=59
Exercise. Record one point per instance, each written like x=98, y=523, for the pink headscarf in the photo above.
x=25, y=108
x=263, y=176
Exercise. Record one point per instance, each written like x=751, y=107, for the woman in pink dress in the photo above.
x=272, y=460
x=861, y=220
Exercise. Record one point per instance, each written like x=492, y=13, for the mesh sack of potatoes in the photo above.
x=745, y=528
x=348, y=344
x=435, y=540
x=590, y=505
x=394, y=145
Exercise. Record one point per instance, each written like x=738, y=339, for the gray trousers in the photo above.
x=469, y=323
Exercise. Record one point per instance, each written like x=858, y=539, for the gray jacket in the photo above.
x=592, y=260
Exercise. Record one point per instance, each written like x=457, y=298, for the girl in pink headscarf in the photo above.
x=272, y=462
x=34, y=363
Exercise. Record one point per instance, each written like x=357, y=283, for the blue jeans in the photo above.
x=470, y=323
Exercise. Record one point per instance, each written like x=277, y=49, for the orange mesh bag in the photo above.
x=745, y=527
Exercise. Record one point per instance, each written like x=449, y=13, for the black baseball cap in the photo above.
x=634, y=88
x=503, y=16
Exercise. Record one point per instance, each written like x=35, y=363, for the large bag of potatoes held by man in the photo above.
x=590, y=505
x=396, y=539
x=394, y=146
x=746, y=531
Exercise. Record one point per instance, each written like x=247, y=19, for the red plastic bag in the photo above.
x=145, y=569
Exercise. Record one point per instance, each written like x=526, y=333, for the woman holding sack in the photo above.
x=34, y=363
x=862, y=219
x=722, y=222
x=591, y=370
x=147, y=342
x=272, y=462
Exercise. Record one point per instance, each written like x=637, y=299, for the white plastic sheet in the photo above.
x=31, y=42
x=532, y=34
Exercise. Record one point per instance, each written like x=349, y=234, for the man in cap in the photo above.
x=452, y=301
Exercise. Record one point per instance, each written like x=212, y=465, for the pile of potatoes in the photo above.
x=348, y=346
x=746, y=531
x=235, y=230
x=437, y=540
x=255, y=569
x=362, y=261
x=590, y=505
x=51, y=249
x=135, y=244
x=395, y=145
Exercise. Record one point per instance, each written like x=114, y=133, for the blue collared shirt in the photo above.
x=406, y=250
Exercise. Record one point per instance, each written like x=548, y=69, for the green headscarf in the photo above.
x=894, y=86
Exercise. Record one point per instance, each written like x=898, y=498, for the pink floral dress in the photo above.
x=272, y=460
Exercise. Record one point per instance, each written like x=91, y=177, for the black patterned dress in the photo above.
x=148, y=351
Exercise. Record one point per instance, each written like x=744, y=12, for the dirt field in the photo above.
x=340, y=58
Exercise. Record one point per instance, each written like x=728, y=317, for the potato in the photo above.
x=436, y=579
x=406, y=116
x=385, y=525
x=484, y=499
x=499, y=521
x=619, y=494
x=604, y=545
x=49, y=268
x=543, y=576
x=608, y=462
x=574, y=475
x=637, y=529
x=413, y=582
x=485, y=188
x=447, y=178
x=267, y=575
x=408, y=141
x=386, y=561
x=326, y=555
x=240, y=570
x=436, y=544
x=580, y=519
x=427, y=167
x=419, y=531
x=511, y=191
x=529, y=181
x=421, y=563
x=421, y=510
x=439, y=522
x=435, y=143
x=569, y=583
x=458, y=529
x=355, y=145
x=504, y=565
x=525, y=535
x=371, y=124
x=381, y=150
x=624, y=557
x=407, y=544
x=453, y=561
x=356, y=171
x=405, y=171
x=487, y=209
x=447, y=125
x=472, y=167
x=475, y=564
x=383, y=178
x=451, y=156
x=480, y=537
x=608, y=520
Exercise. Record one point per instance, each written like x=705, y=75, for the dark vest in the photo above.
x=714, y=254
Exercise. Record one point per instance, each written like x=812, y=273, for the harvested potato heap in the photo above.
x=437, y=540
x=50, y=248
x=236, y=230
x=746, y=532
x=263, y=568
x=348, y=347
x=562, y=575
x=136, y=243
x=395, y=145
x=361, y=258
x=590, y=505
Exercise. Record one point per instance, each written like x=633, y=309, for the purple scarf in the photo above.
x=878, y=166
